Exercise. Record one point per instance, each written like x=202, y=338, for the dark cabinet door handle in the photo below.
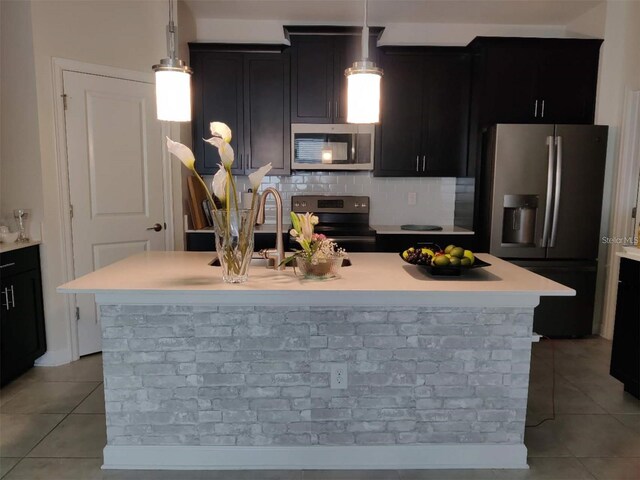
x=6, y=265
x=329, y=102
x=535, y=109
x=542, y=111
x=156, y=228
x=417, y=163
x=6, y=298
x=337, y=110
x=13, y=298
x=424, y=163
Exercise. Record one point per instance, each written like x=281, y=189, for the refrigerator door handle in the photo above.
x=556, y=195
x=548, y=207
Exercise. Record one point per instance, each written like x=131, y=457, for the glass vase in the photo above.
x=319, y=269
x=234, y=243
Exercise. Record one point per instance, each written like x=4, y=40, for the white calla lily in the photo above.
x=221, y=130
x=183, y=152
x=224, y=150
x=220, y=184
x=226, y=155
x=255, y=178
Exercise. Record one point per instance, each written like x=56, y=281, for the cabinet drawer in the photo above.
x=20, y=260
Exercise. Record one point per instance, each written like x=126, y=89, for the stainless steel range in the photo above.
x=343, y=218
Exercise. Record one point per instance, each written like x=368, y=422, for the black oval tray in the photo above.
x=449, y=270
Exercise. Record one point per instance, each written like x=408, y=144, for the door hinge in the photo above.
x=77, y=314
x=71, y=211
x=64, y=100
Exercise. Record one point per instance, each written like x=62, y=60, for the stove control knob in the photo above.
x=357, y=205
x=303, y=204
x=296, y=204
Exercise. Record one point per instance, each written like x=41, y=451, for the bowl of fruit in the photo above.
x=452, y=261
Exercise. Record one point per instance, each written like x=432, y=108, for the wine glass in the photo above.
x=21, y=216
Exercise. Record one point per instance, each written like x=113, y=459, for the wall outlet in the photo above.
x=339, y=376
x=412, y=198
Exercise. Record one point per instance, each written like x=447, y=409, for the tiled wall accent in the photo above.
x=435, y=196
x=245, y=376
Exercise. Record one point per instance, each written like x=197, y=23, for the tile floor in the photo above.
x=52, y=426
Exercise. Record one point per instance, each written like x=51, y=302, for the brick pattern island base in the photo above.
x=193, y=375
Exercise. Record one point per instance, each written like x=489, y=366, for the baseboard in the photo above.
x=54, y=358
x=314, y=457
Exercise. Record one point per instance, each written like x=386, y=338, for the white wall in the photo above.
x=20, y=172
x=619, y=72
x=453, y=34
x=124, y=34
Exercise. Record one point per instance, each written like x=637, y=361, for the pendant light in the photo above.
x=363, y=84
x=173, y=81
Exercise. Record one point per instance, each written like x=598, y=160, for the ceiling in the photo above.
x=383, y=12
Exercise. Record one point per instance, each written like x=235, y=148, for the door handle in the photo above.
x=6, y=298
x=329, y=102
x=556, y=199
x=13, y=298
x=6, y=265
x=547, y=209
x=535, y=109
x=542, y=111
x=337, y=110
x=417, y=163
x=424, y=163
x=156, y=228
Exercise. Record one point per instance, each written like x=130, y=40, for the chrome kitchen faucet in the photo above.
x=279, y=250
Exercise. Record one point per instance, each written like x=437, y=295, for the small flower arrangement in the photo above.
x=319, y=256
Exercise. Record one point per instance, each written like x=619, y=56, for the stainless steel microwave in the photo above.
x=332, y=146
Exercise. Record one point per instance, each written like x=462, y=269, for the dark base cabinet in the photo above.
x=400, y=242
x=625, y=353
x=205, y=242
x=22, y=335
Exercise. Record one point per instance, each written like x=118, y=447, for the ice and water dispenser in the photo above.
x=519, y=220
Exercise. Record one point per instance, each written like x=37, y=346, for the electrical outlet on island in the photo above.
x=339, y=376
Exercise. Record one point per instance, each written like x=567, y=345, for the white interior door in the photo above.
x=114, y=150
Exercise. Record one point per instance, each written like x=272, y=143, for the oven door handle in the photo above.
x=355, y=238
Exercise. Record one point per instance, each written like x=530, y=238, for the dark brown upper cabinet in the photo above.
x=246, y=87
x=318, y=83
x=424, y=112
x=533, y=80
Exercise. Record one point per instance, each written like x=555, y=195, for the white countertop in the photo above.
x=632, y=253
x=8, y=247
x=374, y=279
x=396, y=230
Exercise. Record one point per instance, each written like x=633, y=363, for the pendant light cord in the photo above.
x=171, y=33
x=365, y=32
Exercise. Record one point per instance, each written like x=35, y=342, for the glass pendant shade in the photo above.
x=363, y=84
x=363, y=97
x=173, y=95
x=173, y=81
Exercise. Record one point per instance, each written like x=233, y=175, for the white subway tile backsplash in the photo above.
x=435, y=197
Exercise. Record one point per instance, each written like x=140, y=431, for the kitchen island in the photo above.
x=204, y=375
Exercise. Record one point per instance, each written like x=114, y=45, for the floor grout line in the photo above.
x=49, y=432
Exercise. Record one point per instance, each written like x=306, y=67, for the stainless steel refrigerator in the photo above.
x=541, y=199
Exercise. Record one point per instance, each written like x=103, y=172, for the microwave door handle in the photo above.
x=354, y=144
x=547, y=210
x=558, y=189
